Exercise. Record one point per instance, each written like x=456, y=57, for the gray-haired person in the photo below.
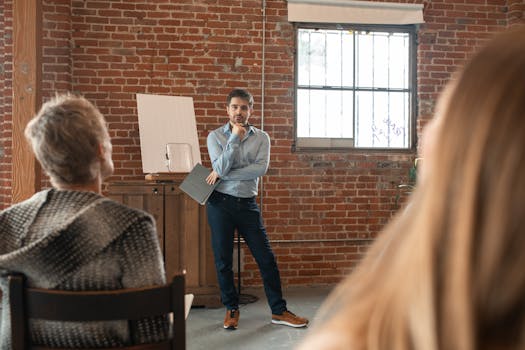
x=70, y=237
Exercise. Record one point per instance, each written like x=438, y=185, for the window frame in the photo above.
x=347, y=144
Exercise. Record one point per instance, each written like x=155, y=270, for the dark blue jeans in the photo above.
x=225, y=214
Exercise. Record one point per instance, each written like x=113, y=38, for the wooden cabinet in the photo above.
x=183, y=231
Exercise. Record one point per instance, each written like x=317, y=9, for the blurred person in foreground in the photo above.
x=447, y=272
x=70, y=237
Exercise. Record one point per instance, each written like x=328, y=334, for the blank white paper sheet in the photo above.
x=167, y=128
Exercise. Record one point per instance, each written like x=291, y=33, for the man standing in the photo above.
x=240, y=154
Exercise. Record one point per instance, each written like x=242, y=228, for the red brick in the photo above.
x=123, y=48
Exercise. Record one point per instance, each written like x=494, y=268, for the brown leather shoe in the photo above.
x=288, y=318
x=231, y=321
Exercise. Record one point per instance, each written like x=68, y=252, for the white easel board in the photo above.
x=165, y=120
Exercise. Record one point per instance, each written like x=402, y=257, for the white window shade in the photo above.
x=351, y=11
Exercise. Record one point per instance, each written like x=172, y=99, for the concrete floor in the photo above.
x=256, y=332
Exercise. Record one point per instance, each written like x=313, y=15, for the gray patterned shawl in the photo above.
x=72, y=240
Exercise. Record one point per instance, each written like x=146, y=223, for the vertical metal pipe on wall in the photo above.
x=263, y=66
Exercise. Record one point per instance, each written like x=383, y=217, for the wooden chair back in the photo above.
x=124, y=304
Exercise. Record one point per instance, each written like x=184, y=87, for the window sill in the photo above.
x=312, y=144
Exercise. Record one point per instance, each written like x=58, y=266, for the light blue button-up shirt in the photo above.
x=239, y=163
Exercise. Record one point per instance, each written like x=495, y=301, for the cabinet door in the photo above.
x=187, y=240
x=181, y=234
x=175, y=224
x=147, y=197
x=183, y=231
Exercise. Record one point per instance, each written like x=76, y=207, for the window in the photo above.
x=355, y=86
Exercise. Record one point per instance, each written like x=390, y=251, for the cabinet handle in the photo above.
x=155, y=190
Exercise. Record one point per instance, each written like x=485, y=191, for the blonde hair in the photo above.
x=447, y=273
x=65, y=136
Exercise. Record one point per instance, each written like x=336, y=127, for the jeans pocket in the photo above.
x=213, y=199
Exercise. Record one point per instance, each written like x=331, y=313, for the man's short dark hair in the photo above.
x=240, y=93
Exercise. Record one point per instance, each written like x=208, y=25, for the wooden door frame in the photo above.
x=27, y=72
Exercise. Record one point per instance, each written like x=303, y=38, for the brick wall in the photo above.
x=321, y=209
x=57, y=42
x=516, y=12
x=2, y=87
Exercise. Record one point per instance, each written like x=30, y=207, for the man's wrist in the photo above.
x=235, y=138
